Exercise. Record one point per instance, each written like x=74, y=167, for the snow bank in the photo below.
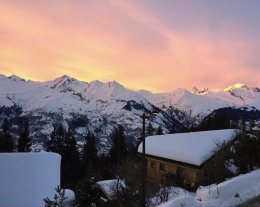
x=231, y=192
x=27, y=178
x=173, y=194
x=193, y=148
x=227, y=194
x=187, y=201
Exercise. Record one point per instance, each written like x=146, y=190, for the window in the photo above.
x=162, y=167
x=180, y=173
x=153, y=164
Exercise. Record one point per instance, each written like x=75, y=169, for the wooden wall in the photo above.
x=184, y=174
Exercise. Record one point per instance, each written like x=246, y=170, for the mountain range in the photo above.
x=99, y=107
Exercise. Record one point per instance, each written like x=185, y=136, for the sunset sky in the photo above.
x=157, y=45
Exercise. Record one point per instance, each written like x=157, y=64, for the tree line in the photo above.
x=7, y=143
x=82, y=166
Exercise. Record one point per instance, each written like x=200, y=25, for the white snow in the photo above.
x=227, y=194
x=171, y=193
x=181, y=201
x=198, y=104
x=110, y=187
x=193, y=147
x=69, y=200
x=66, y=94
x=27, y=178
x=103, y=103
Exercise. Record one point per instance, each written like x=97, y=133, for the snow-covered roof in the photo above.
x=110, y=187
x=27, y=178
x=192, y=148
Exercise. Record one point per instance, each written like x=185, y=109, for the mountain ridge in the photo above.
x=99, y=107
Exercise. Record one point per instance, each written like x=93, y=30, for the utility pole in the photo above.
x=144, y=164
x=144, y=116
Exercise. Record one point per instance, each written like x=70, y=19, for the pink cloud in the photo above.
x=118, y=40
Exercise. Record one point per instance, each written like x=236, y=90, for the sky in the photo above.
x=143, y=44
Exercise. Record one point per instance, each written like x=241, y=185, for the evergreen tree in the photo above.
x=65, y=144
x=159, y=131
x=87, y=194
x=149, y=130
x=90, y=151
x=216, y=171
x=57, y=199
x=6, y=139
x=58, y=140
x=24, y=142
x=71, y=167
x=118, y=148
x=246, y=151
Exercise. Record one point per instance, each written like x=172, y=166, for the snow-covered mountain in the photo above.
x=99, y=107
x=191, y=106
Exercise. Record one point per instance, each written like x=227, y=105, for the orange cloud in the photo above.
x=113, y=40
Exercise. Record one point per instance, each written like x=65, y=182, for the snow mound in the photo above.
x=231, y=192
x=227, y=194
x=110, y=187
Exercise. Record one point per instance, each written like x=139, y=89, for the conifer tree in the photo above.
x=6, y=139
x=246, y=151
x=118, y=148
x=58, y=140
x=150, y=129
x=159, y=131
x=70, y=166
x=24, y=142
x=90, y=151
x=64, y=143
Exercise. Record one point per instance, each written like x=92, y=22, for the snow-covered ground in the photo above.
x=227, y=194
x=171, y=193
x=111, y=187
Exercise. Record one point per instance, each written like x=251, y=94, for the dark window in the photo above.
x=181, y=173
x=162, y=167
x=153, y=164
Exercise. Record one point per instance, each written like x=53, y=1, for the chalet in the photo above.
x=184, y=156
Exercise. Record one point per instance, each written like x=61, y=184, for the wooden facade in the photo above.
x=198, y=167
x=181, y=173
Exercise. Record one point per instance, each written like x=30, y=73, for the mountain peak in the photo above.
x=235, y=86
x=64, y=83
x=64, y=78
x=115, y=84
x=15, y=78
x=199, y=91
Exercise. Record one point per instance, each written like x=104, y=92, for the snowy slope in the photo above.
x=227, y=194
x=196, y=104
x=97, y=107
